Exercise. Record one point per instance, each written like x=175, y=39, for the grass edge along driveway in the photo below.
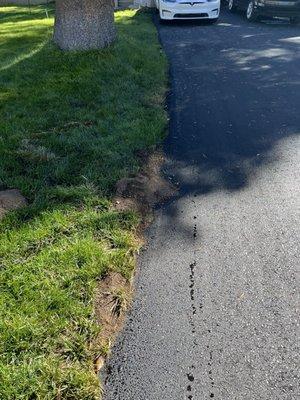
x=70, y=126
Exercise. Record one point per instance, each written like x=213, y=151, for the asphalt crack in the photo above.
x=192, y=269
x=210, y=373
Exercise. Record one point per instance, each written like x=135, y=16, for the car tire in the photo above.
x=295, y=20
x=251, y=14
x=213, y=20
x=232, y=5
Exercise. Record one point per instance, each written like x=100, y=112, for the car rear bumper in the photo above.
x=273, y=8
x=189, y=10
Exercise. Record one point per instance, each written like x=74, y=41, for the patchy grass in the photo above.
x=119, y=302
x=70, y=126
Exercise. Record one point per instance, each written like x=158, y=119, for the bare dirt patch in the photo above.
x=147, y=189
x=139, y=193
x=11, y=199
x=112, y=298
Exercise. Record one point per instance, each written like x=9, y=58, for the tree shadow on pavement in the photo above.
x=235, y=95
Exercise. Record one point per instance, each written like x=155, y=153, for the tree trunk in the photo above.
x=84, y=24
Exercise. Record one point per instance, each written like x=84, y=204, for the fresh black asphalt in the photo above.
x=216, y=310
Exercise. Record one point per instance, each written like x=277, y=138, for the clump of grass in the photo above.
x=70, y=126
x=119, y=302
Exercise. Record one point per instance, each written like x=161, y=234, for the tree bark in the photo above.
x=84, y=24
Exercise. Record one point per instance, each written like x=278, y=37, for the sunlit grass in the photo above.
x=70, y=126
x=17, y=24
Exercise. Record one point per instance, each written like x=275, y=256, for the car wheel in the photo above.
x=213, y=20
x=295, y=20
x=251, y=13
x=231, y=5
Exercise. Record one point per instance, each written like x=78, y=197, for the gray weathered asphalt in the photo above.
x=215, y=312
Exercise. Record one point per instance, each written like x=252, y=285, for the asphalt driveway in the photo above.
x=215, y=313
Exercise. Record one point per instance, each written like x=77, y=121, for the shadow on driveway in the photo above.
x=235, y=95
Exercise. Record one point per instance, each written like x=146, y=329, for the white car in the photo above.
x=189, y=9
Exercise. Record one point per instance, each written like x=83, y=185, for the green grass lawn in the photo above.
x=70, y=126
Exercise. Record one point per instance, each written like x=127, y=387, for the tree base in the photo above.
x=84, y=25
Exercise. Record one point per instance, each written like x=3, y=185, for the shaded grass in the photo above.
x=70, y=127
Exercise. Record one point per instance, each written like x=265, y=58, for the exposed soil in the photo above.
x=140, y=193
x=147, y=189
x=10, y=200
x=108, y=316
